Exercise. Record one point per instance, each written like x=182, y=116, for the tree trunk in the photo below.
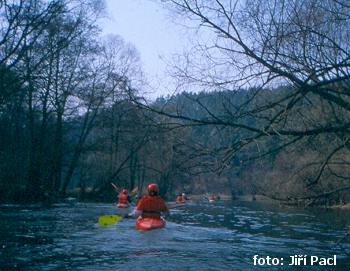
x=57, y=157
x=133, y=169
x=70, y=170
x=34, y=189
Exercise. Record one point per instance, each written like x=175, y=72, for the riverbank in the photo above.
x=262, y=198
x=265, y=199
x=225, y=197
x=341, y=206
x=108, y=196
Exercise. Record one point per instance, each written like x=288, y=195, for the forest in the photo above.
x=262, y=105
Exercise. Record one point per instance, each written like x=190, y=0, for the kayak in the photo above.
x=147, y=224
x=122, y=209
x=123, y=205
x=180, y=202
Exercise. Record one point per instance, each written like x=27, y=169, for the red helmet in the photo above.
x=125, y=191
x=153, y=188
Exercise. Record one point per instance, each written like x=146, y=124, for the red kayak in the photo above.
x=147, y=224
x=123, y=205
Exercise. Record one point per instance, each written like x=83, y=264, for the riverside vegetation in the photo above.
x=262, y=108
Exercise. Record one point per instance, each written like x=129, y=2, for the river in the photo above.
x=200, y=236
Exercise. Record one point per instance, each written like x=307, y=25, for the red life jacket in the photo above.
x=123, y=198
x=151, y=206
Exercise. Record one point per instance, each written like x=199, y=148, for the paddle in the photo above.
x=107, y=220
x=176, y=206
x=115, y=187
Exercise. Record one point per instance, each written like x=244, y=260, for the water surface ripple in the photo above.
x=203, y=236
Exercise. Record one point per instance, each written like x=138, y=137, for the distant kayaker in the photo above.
x=212, y=198
x=181, y=198
x=151, y=206
x=123, y=199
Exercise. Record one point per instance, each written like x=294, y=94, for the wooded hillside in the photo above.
x=263, y=105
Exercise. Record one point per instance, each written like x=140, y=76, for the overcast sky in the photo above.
x=147, y=25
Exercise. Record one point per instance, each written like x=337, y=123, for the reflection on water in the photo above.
x=222, y=236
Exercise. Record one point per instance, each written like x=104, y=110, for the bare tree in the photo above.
x=103, y=86
x=293, y=56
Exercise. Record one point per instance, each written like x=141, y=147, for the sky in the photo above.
x=148, y=26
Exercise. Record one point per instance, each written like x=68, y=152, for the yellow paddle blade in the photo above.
x=107, y=220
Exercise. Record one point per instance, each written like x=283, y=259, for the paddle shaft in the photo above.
x=115, y=187
x=175, y=206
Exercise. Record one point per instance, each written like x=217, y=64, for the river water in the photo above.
x=199, y=236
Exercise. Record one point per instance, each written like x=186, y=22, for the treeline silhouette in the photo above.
x=73, y=118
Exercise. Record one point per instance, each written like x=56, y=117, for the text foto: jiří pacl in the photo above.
x=296, y=260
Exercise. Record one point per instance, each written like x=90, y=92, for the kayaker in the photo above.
x=123, y=199
x=182, y=198
x=151, y=206
x=212, y=198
